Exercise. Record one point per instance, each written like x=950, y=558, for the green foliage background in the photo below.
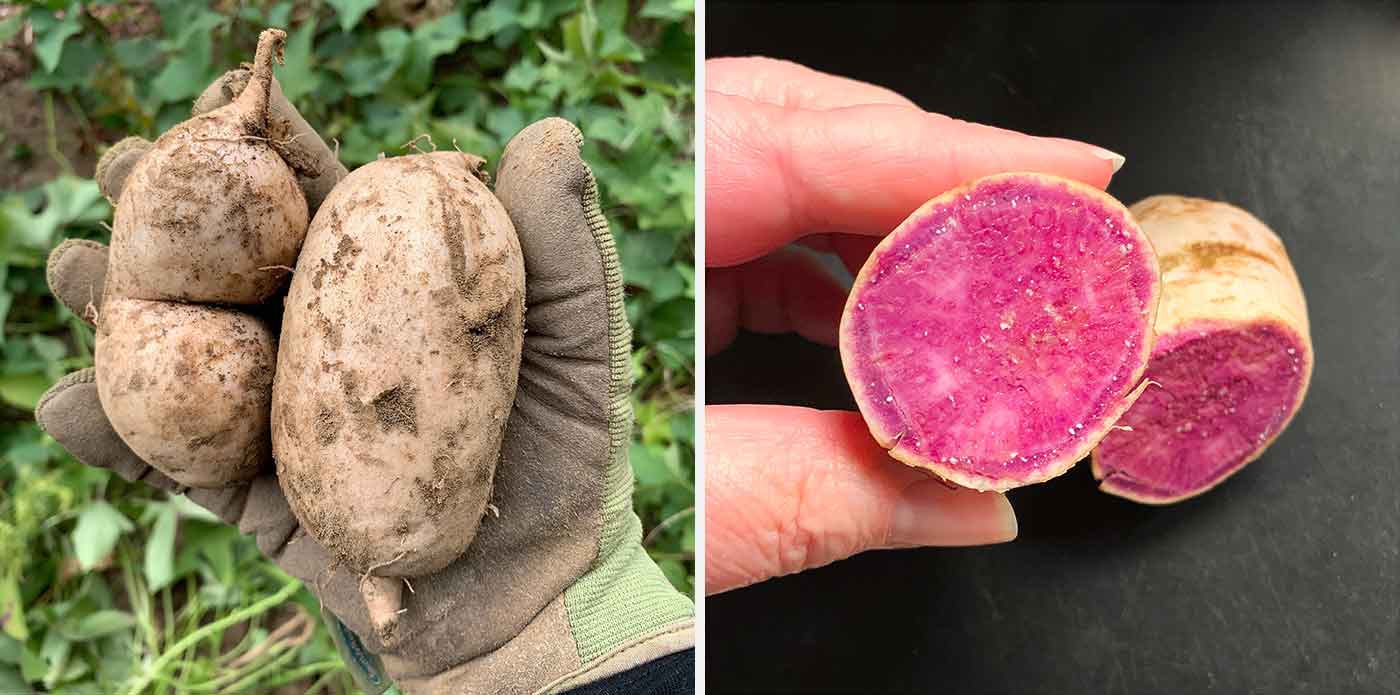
x=109, y=587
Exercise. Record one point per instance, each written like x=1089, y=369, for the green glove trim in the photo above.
x=624, y=595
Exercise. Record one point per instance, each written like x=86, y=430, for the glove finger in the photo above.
x=573, y=278
x=258, y=509
x=77, y=272
x=317, y=167
x=72, y=414
x=116, y=164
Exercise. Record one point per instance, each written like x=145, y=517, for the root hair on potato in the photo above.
x=257, y=138
x=90, y=310
x=414, y=144
x=380, y=565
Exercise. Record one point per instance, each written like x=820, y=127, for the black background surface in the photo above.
x=1286, y=579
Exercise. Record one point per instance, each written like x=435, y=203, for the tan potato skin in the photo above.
x=1220, y=263
x=397, y=369
x=187, y=387
x=205, y=217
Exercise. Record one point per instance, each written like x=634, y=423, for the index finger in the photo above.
x=773, y=174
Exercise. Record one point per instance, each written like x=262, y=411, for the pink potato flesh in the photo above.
x=996, y=335
x=1221, y=392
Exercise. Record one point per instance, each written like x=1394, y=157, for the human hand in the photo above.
x=557, y=589
x=798, y=160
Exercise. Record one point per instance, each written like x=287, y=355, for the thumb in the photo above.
x=788, y=489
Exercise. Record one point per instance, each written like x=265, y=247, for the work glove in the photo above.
x=555, y=591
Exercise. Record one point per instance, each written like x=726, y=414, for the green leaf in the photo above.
x=297, y=74
x=11, y=681
x=186, y=74
x=350, y=11
x=683, y=426
x=196, y=536
x=55, y=651
x=23, y=390
x=496, y=17
x=649, y=467
x=32, y=666
x=160, y=550
x=675, y=572
x=10, y=26
x=438, y=37
x=669, y=10
x=77, y=668
x=136, y=53
x=7, y=298
x=688, y=539
x=99, y=624
x=611, y=16
x=51, y=33
x=82, y=57
x=280, y=14
x=221, y=561
x=10, y=650
x=367, y=71
x=12, y=608
x=99, y=527
x=393, y=43
x=191, y=510
x=522, y=76
x=69, y=200
x=48, y=348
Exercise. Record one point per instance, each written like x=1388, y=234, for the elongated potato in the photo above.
x=187, y=386
x=397, y=368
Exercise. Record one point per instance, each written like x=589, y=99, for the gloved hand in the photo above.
x=555, y=591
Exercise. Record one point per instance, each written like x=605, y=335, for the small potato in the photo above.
x=205, y=218
x=187, y=387
x=211, y=210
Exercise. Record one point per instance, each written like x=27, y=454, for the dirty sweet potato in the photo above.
x=211, y=210
x=189, y=387
x=397, y=368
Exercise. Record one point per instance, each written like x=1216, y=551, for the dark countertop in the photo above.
x=1286, y=579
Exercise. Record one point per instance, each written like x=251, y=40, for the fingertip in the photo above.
x=1114, y=159
x=929, y=513
x=1098, y=167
